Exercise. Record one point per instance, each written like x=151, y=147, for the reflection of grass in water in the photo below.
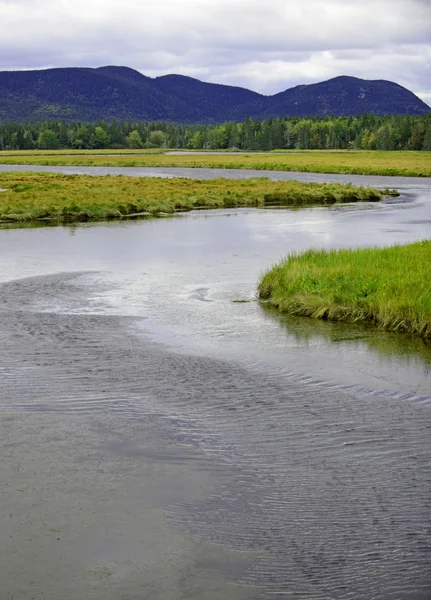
x=358, y=162
x=384, y=343
x=389, y=287
x=68, y=198
x=22, y=224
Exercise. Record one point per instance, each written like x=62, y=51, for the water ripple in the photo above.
x=328, y=486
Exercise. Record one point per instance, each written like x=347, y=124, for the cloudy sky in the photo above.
x=265, y=45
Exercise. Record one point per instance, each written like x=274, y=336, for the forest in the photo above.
x=367, y=132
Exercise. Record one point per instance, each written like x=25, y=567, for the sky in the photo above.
x=264, y=45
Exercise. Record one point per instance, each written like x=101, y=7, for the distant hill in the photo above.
x=121, y=93
x=342, y=96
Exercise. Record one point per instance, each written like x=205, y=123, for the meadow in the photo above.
x=66, y=198
x=389, y=286
x=351, y=162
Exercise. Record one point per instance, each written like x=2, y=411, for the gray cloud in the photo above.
x=266, y=45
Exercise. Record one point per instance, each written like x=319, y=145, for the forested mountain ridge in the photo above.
x=342, y=96
x=121, y=93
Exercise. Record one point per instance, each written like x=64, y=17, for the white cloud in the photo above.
x=267, y=45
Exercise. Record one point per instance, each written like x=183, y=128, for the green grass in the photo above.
x=389, y=287
x=358, y=162
x=78, y=152
x=68, y=198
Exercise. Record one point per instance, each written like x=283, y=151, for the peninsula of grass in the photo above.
x=69, y=198
x=389, y=287
x=350, y=162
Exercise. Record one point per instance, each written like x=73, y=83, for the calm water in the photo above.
x=163, y=441
x=420, y=185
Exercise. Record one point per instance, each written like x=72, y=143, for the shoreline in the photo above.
x=61, y=198
x=388, y=286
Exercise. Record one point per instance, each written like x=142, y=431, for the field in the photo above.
x=402, y=163
x=65, y=198
x=389, y=287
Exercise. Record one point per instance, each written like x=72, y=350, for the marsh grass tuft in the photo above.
x=69, y=198
x=389, y=287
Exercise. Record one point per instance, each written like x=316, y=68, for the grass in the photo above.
x=360, y=162
x=78, y=152
x=389, y=287
x=68, y=198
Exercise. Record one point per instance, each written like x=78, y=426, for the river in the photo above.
x=160, y=440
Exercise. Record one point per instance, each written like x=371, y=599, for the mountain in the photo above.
x=83, y=94
x=211, y=101
x=342, y=96
x=122, y=93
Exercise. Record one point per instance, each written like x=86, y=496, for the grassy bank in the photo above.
x=389, y=287
x=66, y=198
x=402, y=163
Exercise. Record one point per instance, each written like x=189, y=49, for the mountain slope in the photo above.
x=211, y=101
x=83, y=94
x=344, y=96
x=122, y=93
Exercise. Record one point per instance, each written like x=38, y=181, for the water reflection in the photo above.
x=405, y=348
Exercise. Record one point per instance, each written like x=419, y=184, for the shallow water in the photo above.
x=160, y=440
x=407, y=184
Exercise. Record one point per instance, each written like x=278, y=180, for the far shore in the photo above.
x=403, y=163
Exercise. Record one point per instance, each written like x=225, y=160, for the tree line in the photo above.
x=367, y=132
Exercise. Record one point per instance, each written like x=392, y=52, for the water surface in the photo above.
x=160, y=440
